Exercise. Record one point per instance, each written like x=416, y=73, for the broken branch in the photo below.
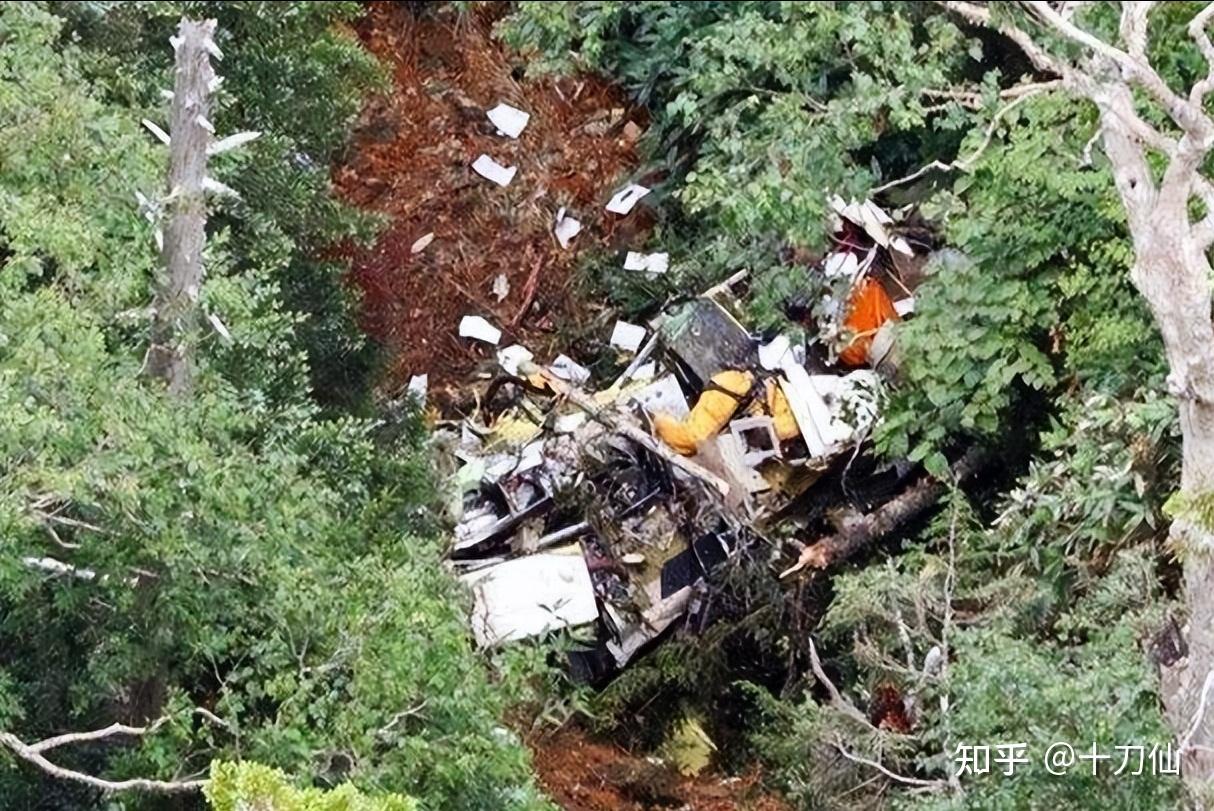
x=859, y=532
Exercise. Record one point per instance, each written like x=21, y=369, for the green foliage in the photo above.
x=245, y=785
x=972, y=339
x=233, y=550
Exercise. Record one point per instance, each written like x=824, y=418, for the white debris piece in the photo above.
x=566, y=368
x=422, y=243
x=418, y=386
x=501, y=286
x=512, y=356
x=663, y=396
x=650, y=263
x=219, y=327
x=772, y=355
x=808, y=408
x=873, y=219
x=647, y=371
x=531, y=595
x=510, y=121
x=624, y=199
x=568, y=423
x=473, y=326
x=627, y=336
x=840, y=263
x=490, y=169
x=904, y=306
x=566, y=228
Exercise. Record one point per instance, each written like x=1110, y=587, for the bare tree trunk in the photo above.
x=185, y=235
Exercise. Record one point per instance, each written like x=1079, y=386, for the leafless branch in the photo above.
x=1133, y=27
x=836, y=698
x=973, y=97
x=32, y=754
x=1197, y=30
x=935, y=785
x=963, y=164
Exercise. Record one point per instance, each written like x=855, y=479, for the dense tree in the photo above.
x=241, y=575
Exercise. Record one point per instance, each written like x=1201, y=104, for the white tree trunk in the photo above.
x=185, y=234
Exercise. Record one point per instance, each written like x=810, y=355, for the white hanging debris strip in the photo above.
x=624, y=199
x=219, y=327
x=512, y=357
x=566, y=368
x=650, y=263
x=566, y=228
x=490, y=169
x=510, y=121
x=418, y=386
x=473, y=326
x=627, y=336
x=422, y=243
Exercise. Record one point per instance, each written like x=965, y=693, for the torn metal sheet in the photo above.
x=476, y=327
x=663, y=396
x=708, y=339
x=626, y=198
x=531, y=595
x=905, y=306
x=647, y=262
x=772, y=355
x=627, y=336
x=510, y=121
x=873, y=219
x=491, y=170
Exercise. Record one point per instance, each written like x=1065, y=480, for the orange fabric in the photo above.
x=867, y=309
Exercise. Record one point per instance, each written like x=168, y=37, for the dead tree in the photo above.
x=184, y=238
x=1171, y=271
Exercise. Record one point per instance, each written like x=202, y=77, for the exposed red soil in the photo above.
x=582, y=774
x=411, y=160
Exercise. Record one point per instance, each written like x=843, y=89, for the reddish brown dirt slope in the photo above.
x=411, y=160
x=581, y=774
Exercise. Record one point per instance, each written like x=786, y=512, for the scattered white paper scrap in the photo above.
x=772, y=355
x=566, y=228
x=508, y=120
x=650, y=263
x=473, y=326
x=627, y=336
x=512, y=356
x=490, y=169
x=566, y=368
x=418, y=386
x=501, y=286
x=421, y=243
x=904, y=307
x=627, y=197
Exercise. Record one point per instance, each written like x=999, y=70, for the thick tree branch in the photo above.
x=1133, y=27
x=1197, y=30
x=980, y=15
